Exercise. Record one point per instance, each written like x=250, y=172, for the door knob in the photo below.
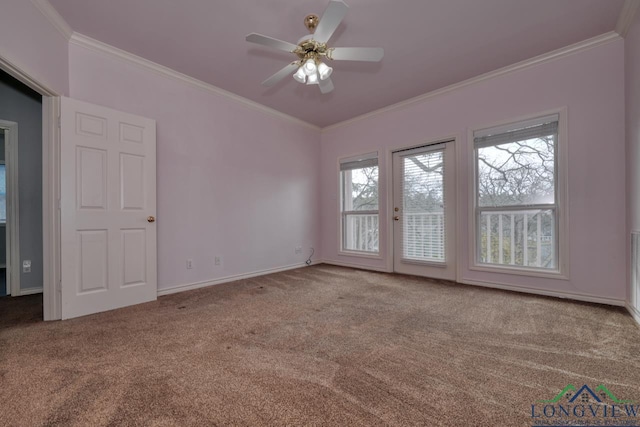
x=396, y=218
x=151, y=218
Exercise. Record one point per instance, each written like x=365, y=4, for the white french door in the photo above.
x=108, y=208
x=424, y=211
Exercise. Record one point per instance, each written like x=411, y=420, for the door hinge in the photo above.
x=59, y=204
x=59, y=122
x=59, y=286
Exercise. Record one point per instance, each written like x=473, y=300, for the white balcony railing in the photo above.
x=521, y=238
x=501, y=237
x=423, y=235
x=361, y=232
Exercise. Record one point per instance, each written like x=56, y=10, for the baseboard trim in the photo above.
x=227, y=279
x=505, y=287
x=534, y=291
x=30, y=291
x=356, y=266
x=544, y=292
x=634, y=313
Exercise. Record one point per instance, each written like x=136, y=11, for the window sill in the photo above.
x=369, y=255
x=551, y=274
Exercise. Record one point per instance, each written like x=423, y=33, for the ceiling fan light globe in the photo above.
x=313, y=79
x=310, y=67
x=300, y=76
x=324, y=71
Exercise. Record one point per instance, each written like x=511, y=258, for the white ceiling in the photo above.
x=429, y=44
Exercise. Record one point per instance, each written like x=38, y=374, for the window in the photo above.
x=359, y=203
x=516, y=196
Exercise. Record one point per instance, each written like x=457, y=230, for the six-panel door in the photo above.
x=108, y=203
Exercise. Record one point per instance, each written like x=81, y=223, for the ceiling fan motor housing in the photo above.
x=311, y=49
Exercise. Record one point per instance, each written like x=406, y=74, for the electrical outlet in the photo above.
x=189, y=264
x=26, y=266
x=298, y=250
x=217, y=260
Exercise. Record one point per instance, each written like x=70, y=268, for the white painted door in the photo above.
x=108, y=208
x=424, y=211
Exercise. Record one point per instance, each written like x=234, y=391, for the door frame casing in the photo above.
x=12, y=229
x=50, y=186
x=453, y=138
x=51, y=275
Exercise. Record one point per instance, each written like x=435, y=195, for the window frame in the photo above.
x=560, y=207
x=342, y=214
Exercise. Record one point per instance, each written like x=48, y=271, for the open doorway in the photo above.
x=21, y=231
x=9, y=210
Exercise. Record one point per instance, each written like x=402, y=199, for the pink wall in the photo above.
x=238, y=183
x=29, y=41
x=233, y=181
x=591, y=85
x=632, y=91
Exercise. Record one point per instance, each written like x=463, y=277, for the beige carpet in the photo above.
x=315, y=346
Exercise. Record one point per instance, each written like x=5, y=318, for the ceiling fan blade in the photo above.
x=371, y=54
x=288, y=70
x=326, y=85
x=331, y=18
x=271, y=42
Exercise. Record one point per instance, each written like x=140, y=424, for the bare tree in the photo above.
x=364, y=189
x=517, y=173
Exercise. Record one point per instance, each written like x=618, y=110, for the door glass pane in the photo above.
x=423, y=222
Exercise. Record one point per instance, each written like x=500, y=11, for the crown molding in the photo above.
x=625, y=20
x=114, y=52
x=53, y=17
x=627, y=14
x=527, y=63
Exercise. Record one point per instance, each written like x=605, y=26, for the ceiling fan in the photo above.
x=311, y=49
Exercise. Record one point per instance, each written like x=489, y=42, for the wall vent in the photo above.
x=635, y=270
